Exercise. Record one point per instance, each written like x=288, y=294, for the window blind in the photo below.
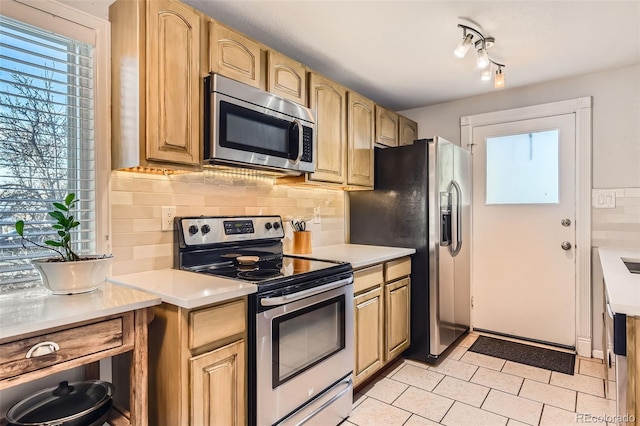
x=47, y=145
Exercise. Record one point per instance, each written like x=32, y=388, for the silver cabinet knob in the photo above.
x=565, y=222
x=566, y=245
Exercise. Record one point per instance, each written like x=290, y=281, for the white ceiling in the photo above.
x=400, y=53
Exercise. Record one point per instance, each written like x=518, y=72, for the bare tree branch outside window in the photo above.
x=46, y=142
x=32, y=153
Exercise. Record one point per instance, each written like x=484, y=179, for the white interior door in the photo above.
x=524, y=229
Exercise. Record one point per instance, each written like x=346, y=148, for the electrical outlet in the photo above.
x=168, y=213
x=316, y=215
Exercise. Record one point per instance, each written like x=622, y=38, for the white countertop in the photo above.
x=185, y=289
x=358, y=255
x=34, y=310
x=622, y=287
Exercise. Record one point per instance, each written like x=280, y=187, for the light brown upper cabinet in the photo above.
x=408, y=131
x=360, y=137
x=156, y=84
x=386, y=127
x=286, y=78
x=329, y=101
x=233, y=55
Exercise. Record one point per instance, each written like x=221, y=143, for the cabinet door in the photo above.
x=369, y=326
x=360, y=137
x=234, y=55
x=218, y=386
x=287, y=78
x=386, y=127
x=397, y=310
x=173, y=83
x=408, y=131
x=328, y=100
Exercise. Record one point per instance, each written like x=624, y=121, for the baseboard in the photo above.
x=583, y=347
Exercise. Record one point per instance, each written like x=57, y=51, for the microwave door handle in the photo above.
x=298, y=124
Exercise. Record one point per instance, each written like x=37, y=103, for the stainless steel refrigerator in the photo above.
x=422, y=199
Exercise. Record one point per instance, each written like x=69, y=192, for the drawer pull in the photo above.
x=42, y=349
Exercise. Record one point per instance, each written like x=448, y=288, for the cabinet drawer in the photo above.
x=367, y=278
x=397, y=269
x=215, y=323
x=73, y=342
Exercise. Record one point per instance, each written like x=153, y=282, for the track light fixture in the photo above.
x=483, y=60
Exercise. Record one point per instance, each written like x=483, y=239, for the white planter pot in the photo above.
x=73, y=277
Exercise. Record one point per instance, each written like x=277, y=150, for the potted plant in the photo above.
x=67, y=273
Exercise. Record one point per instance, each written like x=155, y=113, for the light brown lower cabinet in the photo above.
x=633, y=370
x=382, y=309
x=397, y=302
x=369, y=329
x=197, y=365
x=217, y=386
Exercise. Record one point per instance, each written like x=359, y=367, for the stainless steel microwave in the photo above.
x=248, y=127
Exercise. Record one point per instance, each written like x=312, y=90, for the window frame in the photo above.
x=68, y=21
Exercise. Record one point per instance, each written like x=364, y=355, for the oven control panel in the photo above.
x=204, y=230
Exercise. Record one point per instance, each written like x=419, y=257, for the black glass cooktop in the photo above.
x=265, y=271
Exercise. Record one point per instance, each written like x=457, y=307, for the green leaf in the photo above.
x=74, y=224
x=57, y=215
x=69, y=199
x=62, y=233
x=20, y=227
x=67, y=237
x=57, y=226
x=61, y=207
x=53, y=243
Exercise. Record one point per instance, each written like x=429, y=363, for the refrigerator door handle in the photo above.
x=452, y=185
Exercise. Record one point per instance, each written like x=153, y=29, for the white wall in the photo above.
x=616, y=118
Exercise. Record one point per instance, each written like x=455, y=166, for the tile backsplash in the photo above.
x=138, y=244
x=620, y=226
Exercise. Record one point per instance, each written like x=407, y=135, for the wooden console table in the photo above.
x=114, y=321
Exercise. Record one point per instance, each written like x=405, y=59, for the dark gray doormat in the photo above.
x=525, y=354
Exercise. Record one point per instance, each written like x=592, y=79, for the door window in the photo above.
x=523, y=168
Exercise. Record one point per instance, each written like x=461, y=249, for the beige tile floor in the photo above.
x=467, y=388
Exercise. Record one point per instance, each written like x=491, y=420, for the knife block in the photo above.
x=301, y=242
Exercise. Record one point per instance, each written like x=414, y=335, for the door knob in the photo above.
x=566, y=245
x=565, y=222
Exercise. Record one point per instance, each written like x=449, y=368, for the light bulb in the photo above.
x=498, y=82
x=486, y=74
x=483, y=58
x=463, y=46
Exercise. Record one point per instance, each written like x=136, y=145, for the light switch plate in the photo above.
x=604, y=198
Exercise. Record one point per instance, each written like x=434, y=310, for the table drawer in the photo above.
x=397, y=269
x=215, y=323
x=73, y=343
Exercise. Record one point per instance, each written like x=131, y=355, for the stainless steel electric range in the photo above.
x=300, y=332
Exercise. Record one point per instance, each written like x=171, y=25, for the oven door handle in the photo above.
x=281, y=300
